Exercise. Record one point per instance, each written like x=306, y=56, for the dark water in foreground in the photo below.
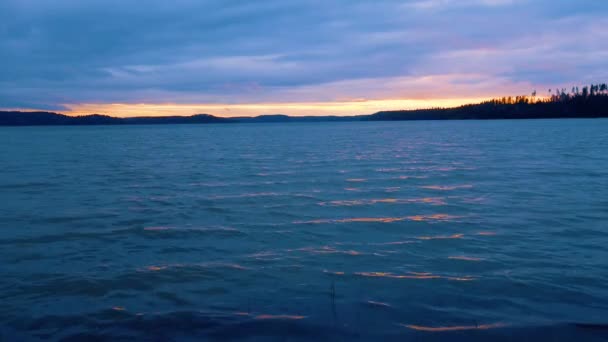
x=342, y=231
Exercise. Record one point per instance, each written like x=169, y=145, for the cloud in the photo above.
x=66, y=52
x=443, y=4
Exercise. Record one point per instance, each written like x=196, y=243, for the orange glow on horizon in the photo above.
x=339, y=108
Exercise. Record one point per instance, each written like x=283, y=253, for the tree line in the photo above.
x=557, y=95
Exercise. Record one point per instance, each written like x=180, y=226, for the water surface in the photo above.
x=363, y=230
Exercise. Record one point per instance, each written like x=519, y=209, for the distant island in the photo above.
x=588, y=102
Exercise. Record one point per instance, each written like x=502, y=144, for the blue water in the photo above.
x=330, y=231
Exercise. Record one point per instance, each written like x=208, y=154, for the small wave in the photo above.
x=247, y=195
x=594, y=326
x=454, y=328
x=349, y=203
x=474, y=200
x=372, y=219
x=158, y=228
x=26, y=185
x=441, y=237
x=398, y=276
x=263, y=254
x=392, y=243
x=73, y=218
x=389, y=169
x=429, y=218
x=325, y=250
x=281, y=317
x=68, y=236
x=411, y=177
x=485, y=233
x=156, y=268
x=208, y=265
x=464, y=258
x=340, y=273
x=466, y=278
x=430, y=200
x=122, y=325
x=163, y=231
x=446, y=187
x=413, y=275
x=434, y=217
x=378, y=304
x=356, y=219
x=346, y=203
x=220, y=184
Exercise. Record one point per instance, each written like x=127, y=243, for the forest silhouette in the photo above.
x=586, y=102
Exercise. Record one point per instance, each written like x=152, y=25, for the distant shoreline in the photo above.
x=592, y=102
x=94, y=120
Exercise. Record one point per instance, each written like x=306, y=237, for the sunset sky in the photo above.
x=297, y=57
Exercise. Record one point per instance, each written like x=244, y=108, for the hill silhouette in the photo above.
x=588, y=102
x=16, y=118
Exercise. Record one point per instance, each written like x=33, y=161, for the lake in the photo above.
x=329, y=231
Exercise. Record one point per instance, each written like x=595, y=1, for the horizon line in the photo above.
x=292, y=109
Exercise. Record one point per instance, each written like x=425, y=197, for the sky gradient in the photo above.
x=313, y=57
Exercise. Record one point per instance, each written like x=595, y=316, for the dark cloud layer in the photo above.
x=186, y=51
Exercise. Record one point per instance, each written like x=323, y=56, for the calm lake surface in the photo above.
x=364, y=230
